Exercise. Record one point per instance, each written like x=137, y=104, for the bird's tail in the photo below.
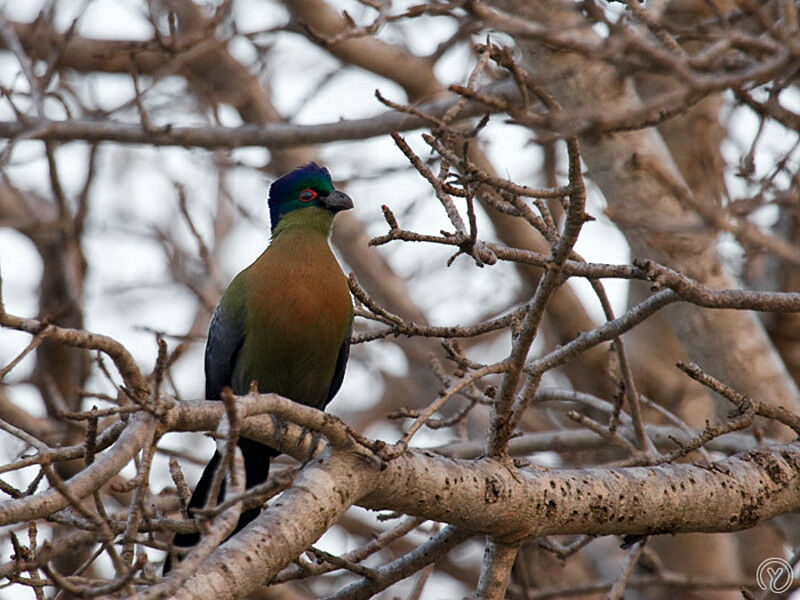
x=256, y=465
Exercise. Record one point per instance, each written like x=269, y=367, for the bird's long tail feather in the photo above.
x=256, y=464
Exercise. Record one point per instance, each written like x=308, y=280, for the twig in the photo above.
x=763, y=409
x=616, y=592
x=404, y=566
x=498, y=559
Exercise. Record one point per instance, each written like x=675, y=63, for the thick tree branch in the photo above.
x=272, y=135
x=92, y=478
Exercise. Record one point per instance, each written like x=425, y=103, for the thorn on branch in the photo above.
x=91, y=437
x=184, y=495
x=389, y=216
x=160, y=367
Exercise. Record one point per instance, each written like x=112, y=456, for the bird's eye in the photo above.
x=307, y=195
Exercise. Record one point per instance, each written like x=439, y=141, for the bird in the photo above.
x=284, y=322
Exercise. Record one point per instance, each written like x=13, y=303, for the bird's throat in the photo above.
x=312, y=220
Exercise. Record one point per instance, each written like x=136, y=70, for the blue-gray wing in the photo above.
x=225, y=337
x=341, y=365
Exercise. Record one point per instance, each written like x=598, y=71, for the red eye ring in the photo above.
x=307, y=195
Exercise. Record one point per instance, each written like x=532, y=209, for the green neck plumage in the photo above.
x=311, y=219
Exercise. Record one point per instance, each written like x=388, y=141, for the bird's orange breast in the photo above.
x=298, y=314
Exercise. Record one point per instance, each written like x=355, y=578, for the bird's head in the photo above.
x=306, y=186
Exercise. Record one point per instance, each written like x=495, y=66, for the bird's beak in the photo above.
x=336, y=201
